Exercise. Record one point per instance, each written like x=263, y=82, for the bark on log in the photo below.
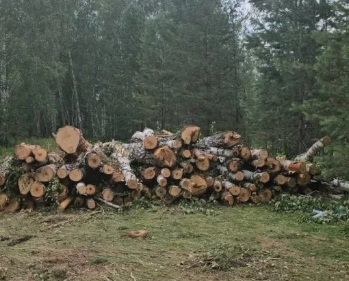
x=238, y=176
x=124, y=163
x=64, y=204
x=315, y=148
x=64, y=170
x=343, y=185
x=227, y=199
x=227, y=139
x=174, y=144
x=161, y=180
x=251, y=186
x=71, y=140
x=81, y=188
x=244, y=153
x=199, y=185
x=232, y=188
x=273, y=165
x=259, y=154
x=5, y=169
x=263, y=177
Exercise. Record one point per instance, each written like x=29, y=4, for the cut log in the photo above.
x=219, y=151
x=293, y=166
x=244, y=195
x=93, y=160
x=244, y=153
x=291, y=182
x=217, y=186
x=238, y=176
x=342, y=185
x=186, y=194
x=4, y=200
x=202, y=163
x=77, y=174
x=45, y=173
x=227, y=199
x=258, y=163
x=186, y=184
x=303, y=179
x=24, y=183
x=209, y=181
x=140, y=136
x=165, y=157
x=80, y=201
x=232, y=188
x=64, y=170
x=63, y=193
x=64, y=204
x=161, y=180
x=273, y=165
x=81, y=188
x=263, y=177
x=315, y=148
x=30, y=159
x=227, y=139
x=265, y=195
x=234, y=165
x=259, y=154
x=13, y=206
x=40, y=154
x=90, y=189
x=37, y=189
x=108, y=194
x=71, y=141
x=251, y=186
x=199, y=185
x=124, y=164
x=175, y=191
x=117, y=176
x=165, y=172
x=280, y=180
x=190, y=134
x=160, y=191
x=188, y=168
x=177, y=174
x=255, y=198
x=22, y=151
x=5, y=168
x=107, y=169
x=174, y=144
x=186, y=153
x=149, y=173
x=150, y=142
x=90, y=203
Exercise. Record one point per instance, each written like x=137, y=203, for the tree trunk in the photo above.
x=315, y=148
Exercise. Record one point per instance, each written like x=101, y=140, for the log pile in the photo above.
x=158, y=166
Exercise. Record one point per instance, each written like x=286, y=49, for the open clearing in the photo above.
x=240, y=243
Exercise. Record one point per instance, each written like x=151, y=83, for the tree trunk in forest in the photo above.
x=315, y=148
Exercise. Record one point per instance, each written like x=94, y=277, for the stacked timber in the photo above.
x=156, y=165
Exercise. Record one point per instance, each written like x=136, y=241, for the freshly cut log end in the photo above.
x=161, y=180
x=186, y=184
x=244, y=195
x=81, y=188
x=234, y=166
x=294, y=166
x=250, y=186
x=245, y=153
x=63, y=172
x=118, y=176
x=90, y=203
x=76, y=175
x=45, y=173
x=160, y=191
x=231, y=139
x=202, y=164
x=150, y=142
x=303, y=179
x=188, y=168
x=107, y=169
x=90, y=189
x=64, y=204
x=238, y=176
x=235, y=190
x=40, y=154
x=149, y=173
x=273, y=165
x=13, y=206
x=176, y=144
x=132, y=184
x=30, y=159
x=93, y=160
x=4, y=200
x=228, y=199
x=37, y=189
x=177, y=174
x=190, y=134
x=165, y=157
x=280, y=180
x=263, y=177
x=265, y=195
x=175, y=191
x=24, y=183
x=258, y=163
x=165, y=172
x=199, y=185
x=70, y=139
x=22, y=151
x=259, y=153
x=217, y=186
x=186, y=153
x=108, y=195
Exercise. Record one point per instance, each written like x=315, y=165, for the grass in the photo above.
x=240, y=243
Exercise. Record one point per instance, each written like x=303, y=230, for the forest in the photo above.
x=276, y=71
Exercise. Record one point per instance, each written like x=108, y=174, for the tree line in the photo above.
x=278, y=75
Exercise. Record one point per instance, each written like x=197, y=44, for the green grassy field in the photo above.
x=240, y=243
